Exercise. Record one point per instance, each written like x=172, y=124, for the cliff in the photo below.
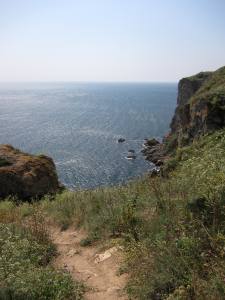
x=200, y=110
x=25, y=175
x=200, y=107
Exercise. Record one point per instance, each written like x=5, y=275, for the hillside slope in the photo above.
x=172, y=228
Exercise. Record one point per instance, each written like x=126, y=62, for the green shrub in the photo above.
x=171, y=143
x=169, y=166
x=32, y=283
x=103, y=212
x=24, y=273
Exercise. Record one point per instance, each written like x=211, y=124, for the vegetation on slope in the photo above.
x=25, y=254
x=213, y=87
x=172, y=227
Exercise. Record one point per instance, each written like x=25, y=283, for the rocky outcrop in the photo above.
x=187, y=87
x=26, y=176
x=200, y=110
x=200, y=107
x=154, y=151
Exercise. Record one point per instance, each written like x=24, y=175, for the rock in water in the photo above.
x=26, y=176
x=121, y=140
x=131, y=157
x=151, y=143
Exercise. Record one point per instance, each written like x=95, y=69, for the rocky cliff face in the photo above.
x=26, y=176
x=200, y=107
x=200, y=110
x=187, y=87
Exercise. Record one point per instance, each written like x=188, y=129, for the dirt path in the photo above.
x=97, y=269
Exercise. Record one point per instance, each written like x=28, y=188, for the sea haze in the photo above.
x=78, y=125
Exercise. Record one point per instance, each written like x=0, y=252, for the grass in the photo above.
x=25, y=255
x=172, y=227
x=213, y=89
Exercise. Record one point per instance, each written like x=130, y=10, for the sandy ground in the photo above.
x=98, y=269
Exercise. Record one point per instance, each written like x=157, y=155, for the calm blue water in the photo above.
x=78, y=125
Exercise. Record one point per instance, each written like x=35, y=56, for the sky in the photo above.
x=110, y=40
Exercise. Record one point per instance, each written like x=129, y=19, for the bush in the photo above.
x=171, y=143
x=32, y=283
x=169, y=166
x=24, y=273
x=102, y=212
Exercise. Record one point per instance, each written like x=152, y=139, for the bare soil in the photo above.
x=95, y=267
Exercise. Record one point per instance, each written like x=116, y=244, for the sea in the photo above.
x=79, y=124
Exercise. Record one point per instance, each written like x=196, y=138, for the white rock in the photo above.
x=113, y=289
x=72, y=252
x=103, y=256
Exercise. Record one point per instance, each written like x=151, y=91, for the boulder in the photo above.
x=26, y=176
x=107, y=254
x=151, y=142
x=159, y=163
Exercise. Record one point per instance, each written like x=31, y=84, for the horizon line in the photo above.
x=87, y=81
